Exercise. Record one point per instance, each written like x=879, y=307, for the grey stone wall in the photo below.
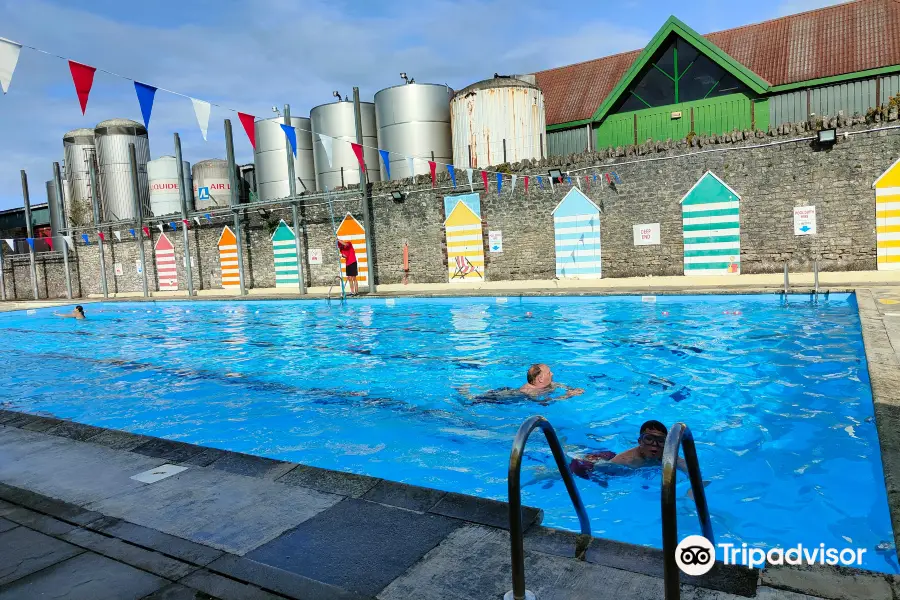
x=773, y=173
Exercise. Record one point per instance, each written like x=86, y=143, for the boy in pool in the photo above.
x=78, y=313
x=539, y=386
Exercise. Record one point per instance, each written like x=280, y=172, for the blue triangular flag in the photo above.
x=452, y=172
x=291, y=134
x=568, y=180
x=174, y=226
x=30, y=242
x=131, y=231
x=616, y=177
x=540, y=182
x=499, y=182
x=208, y=217
x=84, y=236
x=595, y=177
x=385, y=158
x=145, y=94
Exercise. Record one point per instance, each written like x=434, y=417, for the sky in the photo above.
x=253, y=55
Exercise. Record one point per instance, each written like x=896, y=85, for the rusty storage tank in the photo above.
x=413, y=119
x=338, y=121
x=112, y=139
x=498, y=113
x=165, y=189
x=270, y=158
x=212, y=186
x=78, y=151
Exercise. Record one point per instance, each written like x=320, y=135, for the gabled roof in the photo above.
x=350, y=226
x=283, y=232
x=709, y=175
x=890, y=178
x=462, y=214
x=575, y=203
x=828, y=42
x=228, y=236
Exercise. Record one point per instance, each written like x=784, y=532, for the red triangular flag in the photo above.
x=83, y=77
x=146, y=231
x=358, y=151
x=433, y=166
x=49, y=241
x=587, y=180
x=608, y=179
x=526, y=184
x=247, y=121
x=101, y=236
x=186, y=223
x=484, y=179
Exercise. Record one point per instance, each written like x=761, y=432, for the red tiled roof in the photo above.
x=829, y=41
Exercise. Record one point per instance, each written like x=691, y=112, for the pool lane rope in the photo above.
x=334, y=229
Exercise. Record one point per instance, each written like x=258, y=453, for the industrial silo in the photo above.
x=165, y=189
x=271, y=158
x=212, y=186
x=496, y=121
x=338, y=121
x=79, y=151
x=414, y=120
x=112, y=139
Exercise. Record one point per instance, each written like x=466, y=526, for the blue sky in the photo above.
x=253, y=55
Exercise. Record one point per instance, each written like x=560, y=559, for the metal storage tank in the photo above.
x=165, y=190
x=271, y=158
x=211, y=180
x=112, y=139
x=414, y=120
x=79, y=150
x=486, y=113
x=338, y=121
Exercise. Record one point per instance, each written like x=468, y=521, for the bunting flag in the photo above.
x=248, y=122
x=471, y=184
x=208, y=217
x=291, y=134
x=84, y=236
x=9, y=57
x=512, y=185
x=568, y=180
x=145, y=94
x=595, y=177
x=101, y=236
x=526, y=184
x=578, y=181
x=146, y=231
x=162, y=229
x=118, y=235
x=83, y=78
x=326, y=145
x=132, y=232
x=551, y=183
x=540, y=182
x=385, y=158
x=69, y=242
x=411, y=163
x=452, y=172
x=30, y=242
x=12, y=244
x=360, y=158
x=616, y=177
x=587, y=180
x=173, y=225
x=197, y=221
x=201, y=110
x=484, y=180
x=186, y=223
x=608, y=179
x=49, y=241
x=499, y=183
x=432, y=166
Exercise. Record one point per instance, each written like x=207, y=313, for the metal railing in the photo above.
x=679, y=436
x=516, y=533
x=338, y=280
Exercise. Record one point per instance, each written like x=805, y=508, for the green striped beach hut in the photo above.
x=712, y=228
x=284, y=247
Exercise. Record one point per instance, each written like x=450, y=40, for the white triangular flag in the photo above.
x=411, y=163
x=69, y=242
x=578, y=180
x=162, y=228
x=326, y=144
x=551, y=183
x=12, y=244
x=118, y=235
x=512, y=185
x=197, y=220
x=201, y=109
x=9, y=56
x=471, y=184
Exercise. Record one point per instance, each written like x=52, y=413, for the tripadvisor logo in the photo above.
x=695, y=555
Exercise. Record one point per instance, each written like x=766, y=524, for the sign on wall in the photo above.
x=118, y=269
x=646, y=235
x=804, y=220
x=138, y=266
x=315, y=256
x=495, y=241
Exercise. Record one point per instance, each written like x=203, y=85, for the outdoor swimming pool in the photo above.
x=777, y=396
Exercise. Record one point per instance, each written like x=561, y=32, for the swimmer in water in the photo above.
x=78, y=313
x=539, y=387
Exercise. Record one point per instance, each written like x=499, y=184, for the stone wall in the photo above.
x=772, y=172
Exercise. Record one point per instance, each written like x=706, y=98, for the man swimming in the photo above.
x=539, y=386
x=78, y=313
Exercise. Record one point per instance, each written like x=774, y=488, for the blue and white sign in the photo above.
x=804, y=220
x=203, y=193
x=495, y=241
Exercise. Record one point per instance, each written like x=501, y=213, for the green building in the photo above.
x=840, y=58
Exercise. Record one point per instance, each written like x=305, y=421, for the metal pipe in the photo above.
x=292, y=186
x=139, y=216
x=334, y=229
x=516, y=532
x=95, y=203
x=364, y=188
x=2, y=277
x=60, y=207
x=787, y=283
x=235, y=201
x=680, y=436
x=184, y=216
x=816, y=275
x=29, y=228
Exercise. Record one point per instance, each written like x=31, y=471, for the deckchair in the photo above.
x=464, y=267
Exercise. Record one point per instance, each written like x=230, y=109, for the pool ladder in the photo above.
x=340, y=282
x=679, y=436
x=814, y=294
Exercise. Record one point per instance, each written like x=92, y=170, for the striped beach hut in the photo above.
x=465, y=243
x=228, y=260
x=284, y=249
x=887, y=218
x=576, y=224
x=166, y=269
x=350, y=230
x=712, y=231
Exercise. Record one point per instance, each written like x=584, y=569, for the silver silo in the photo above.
x=271, y=158
x=414, y=120
x=79, y=150
x=165, y=191
x=338, y=121
x=112, y=139
x=212, y=186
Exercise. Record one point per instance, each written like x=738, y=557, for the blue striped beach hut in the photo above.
x=712, y=228
x=576, y=221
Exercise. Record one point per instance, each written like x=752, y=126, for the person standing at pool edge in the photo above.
x=349, y=253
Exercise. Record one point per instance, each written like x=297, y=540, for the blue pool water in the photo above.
x=778, y=397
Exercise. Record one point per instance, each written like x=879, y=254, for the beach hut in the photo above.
x=576, y=224
x=712, y=231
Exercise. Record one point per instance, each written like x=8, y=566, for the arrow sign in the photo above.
x=805, y=228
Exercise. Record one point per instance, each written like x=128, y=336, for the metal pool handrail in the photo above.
x=681, y=436
x=340, y=280
x=517, y=541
